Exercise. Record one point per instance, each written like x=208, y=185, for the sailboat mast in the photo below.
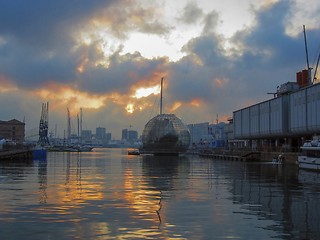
x=80, y=125
x=69, y=126
x=161, y=95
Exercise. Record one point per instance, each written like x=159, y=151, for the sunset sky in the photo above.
x=107, y=57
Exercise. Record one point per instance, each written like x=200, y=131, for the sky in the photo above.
x=107, y=57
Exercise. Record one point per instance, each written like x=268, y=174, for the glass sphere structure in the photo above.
x=165, y=134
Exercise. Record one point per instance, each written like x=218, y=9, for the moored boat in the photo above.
x=70, y=148
x=133, y=152
x=39, y=152
x=310, y=155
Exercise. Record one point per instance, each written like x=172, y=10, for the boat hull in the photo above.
x=39, y=154
x=310, y=163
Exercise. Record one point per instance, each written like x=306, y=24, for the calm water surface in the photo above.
x=106, y=194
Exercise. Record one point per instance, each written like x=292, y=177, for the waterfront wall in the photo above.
x=294, y=114
x=289, y=157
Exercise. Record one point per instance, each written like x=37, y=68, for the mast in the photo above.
x=307, y=55
x=161, y=95
x=69, y=126
x=80, y=125
x=315, y=71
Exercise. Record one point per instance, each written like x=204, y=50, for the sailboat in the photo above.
x=165, y=134
x=67, y=145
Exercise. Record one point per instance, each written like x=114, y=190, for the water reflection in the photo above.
x=283, y=194
x=107, y=194
x=42, y=180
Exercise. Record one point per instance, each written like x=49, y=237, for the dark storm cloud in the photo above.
x=122, y=72
x=36, y=39
x=29, y=68
x=44, y=23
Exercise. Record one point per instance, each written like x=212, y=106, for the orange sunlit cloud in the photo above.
x=196, y=102
x=175, y=106
x=6, y=85
x=64, y=95
x=219, y=82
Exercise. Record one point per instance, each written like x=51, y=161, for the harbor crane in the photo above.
x=43, y=125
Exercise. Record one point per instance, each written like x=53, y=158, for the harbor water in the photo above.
x=107, y=194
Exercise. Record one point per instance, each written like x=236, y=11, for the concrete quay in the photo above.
x=247, y=156
x=17, y=154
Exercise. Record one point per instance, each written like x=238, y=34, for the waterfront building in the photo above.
x=12, y=130
x=132, y=135
x=281, y=123
x=108, y=137
x=207, y=136
x=198, y=132
x=124, y=134
x=86, y=137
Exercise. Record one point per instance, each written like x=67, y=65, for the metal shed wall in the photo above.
x=293, y=114
x=245, y=119
x=237, y=122
x=279, y=116
x=298, y=112
x=264, y=118
x=313, y=109
x=254, y=121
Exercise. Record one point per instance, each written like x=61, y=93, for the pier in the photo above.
x=289, y=157
x=16, y=154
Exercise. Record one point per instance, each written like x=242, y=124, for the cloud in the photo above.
x=191, y=13
x=73, y=53
x=45, y=23
x=123, y=71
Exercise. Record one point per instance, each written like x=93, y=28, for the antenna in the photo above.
x=161, y=95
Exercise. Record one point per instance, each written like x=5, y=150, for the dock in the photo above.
x=290, y=157
x=16, y=154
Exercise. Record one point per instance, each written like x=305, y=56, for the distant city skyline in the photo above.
x=107, y=57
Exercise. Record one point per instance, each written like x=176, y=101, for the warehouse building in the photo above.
x=281, y=123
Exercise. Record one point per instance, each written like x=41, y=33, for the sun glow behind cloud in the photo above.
x=145, y=92
x=63, y=96
x=134, y=101
x=6, y=86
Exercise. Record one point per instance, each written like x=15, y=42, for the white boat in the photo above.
x=278, y=159
x=310, y=155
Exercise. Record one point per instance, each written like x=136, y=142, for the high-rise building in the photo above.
x=100, y=133
x=124, y=135
x=108, y=137
x=86, y=136
x=132, y=135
